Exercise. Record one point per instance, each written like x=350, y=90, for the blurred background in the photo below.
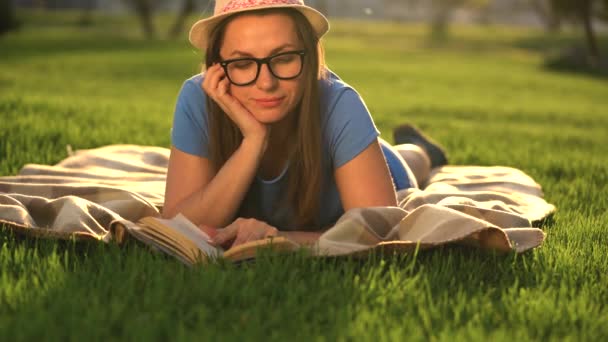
x=585, y=17
x=90, y=73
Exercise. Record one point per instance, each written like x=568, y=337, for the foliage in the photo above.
x=584, y=12
x=572, y=8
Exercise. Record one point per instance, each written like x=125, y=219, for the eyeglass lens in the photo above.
x=283, y=66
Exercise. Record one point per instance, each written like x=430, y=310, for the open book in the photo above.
x=184, y=240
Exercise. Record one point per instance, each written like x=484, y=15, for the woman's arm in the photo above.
x=365, y=181
x=194, y=188
x=203, y=196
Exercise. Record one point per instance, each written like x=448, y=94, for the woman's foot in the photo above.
x=408, y=134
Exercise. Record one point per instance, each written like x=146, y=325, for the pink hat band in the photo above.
x=200, y=31
x=237, y=5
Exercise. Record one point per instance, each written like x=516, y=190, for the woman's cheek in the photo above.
x=239, y=94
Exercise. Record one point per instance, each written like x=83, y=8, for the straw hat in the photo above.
x=199, y=33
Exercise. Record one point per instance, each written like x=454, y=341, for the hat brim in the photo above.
x=199, y=32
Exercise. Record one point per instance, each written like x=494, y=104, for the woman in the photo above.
x=267, y=141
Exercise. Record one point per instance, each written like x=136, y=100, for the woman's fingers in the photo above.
x=217, y=86
x=225, y=234
x=210, y=75
x=225, y=100
x=242, y=237
x=210, y=231
x=243, y=230
x=214, y=76
x=222, y=87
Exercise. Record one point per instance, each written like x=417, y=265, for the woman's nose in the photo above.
x=266, y=79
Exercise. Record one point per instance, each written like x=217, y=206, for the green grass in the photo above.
x=484, y=94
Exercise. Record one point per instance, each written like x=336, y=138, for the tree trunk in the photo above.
x=178, y=25
x=554, y=23
x=587, y=19
x=442, y=12
x=550, y=19
x=144, y=10
x=86, y=16
x=8, y=18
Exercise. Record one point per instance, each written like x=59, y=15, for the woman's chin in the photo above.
x=269, y=116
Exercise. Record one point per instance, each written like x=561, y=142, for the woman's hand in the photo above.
x=243, y=230
x=217, y=86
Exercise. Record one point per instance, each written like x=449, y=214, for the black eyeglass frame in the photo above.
x=260, y=62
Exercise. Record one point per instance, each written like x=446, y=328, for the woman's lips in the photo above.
x=269, y=102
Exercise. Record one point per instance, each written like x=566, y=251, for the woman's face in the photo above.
x=269, y=99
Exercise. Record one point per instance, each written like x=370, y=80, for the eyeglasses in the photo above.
x=245, y=71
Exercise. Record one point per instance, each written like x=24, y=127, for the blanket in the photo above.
x=83, y=195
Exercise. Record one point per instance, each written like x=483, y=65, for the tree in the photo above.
x=8, y=18
x=178, y=26
x=583, y=12
x=86, y=17
x=144, y=10
x=547, y=15
x=442, y=13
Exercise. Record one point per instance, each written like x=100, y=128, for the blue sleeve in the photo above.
x=190, y=129
x=350, y=127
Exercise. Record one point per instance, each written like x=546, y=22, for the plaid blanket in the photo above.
x=83, y=195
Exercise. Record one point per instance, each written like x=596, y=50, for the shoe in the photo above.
x=408, y=134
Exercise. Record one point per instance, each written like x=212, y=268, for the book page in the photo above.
x=181, y=224
x=249, y=249
x=162, y=245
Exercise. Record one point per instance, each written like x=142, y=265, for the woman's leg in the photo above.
x=417, y=160
x=403, y=176
x=409, y=134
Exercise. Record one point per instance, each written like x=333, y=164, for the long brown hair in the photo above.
x=305, y=165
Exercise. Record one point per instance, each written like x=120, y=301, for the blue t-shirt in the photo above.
x=347, y=129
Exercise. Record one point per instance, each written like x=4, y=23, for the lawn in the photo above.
x=484, y=94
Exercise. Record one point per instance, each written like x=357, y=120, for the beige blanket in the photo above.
x=486, y=207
